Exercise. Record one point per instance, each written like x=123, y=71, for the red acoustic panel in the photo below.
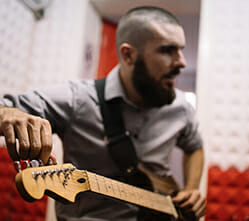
x=227, y=195
x=12, y=206
x=108, y=54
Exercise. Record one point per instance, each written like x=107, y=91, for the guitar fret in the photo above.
x=105, y=184
x=136, y=196
x=119, y=189
x=122, y=191
x=132, y=194
x=112, y=188
x=151, y=201
x=96, y=178
x=130, y=197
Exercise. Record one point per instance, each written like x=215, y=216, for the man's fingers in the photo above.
x=34, y=135
x=53, y=158
x=181, y=197
x=23, y=138
x=9, y=134
x=34, y=128
x=199, y=208
x=191, y=200
x=46, y=141
x=201, y=211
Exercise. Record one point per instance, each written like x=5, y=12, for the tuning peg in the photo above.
x=17, y=166
x=21, y=165
x=41, y=163
x=34, y=163
x=24, y=164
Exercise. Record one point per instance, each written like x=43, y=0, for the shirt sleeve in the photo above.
x=56, y=104
x=190, y=139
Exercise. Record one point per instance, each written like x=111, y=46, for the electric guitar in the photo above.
x=64, y=182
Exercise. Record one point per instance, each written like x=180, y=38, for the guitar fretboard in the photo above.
x=131, y=194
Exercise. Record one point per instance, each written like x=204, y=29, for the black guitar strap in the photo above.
x=116, y=136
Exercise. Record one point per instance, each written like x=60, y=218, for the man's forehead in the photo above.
x=168, y=33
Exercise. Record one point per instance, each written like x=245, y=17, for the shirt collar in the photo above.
x=114, y=87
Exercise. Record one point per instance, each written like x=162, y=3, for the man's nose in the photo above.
x=179, y=60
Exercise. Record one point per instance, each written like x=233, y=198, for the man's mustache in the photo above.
x=172, y=73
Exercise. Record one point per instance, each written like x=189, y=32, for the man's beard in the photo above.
x=152, y=91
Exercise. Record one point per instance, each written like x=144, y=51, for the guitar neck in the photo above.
x=64, y=182
x=131, y=194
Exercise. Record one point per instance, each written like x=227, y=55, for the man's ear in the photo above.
x=128, y=53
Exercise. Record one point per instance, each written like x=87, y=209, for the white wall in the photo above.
x=223, y=82
x=37, y=53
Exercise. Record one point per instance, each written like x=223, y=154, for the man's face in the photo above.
x=155, y=70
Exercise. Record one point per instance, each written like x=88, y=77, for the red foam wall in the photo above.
x=227, y=195
x=108, y=56
x=12, y=206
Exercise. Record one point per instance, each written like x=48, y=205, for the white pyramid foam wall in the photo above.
x=223, y=82
x=37, y=53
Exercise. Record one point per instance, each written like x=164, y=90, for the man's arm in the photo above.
x=193, y=166
x=26, y=119
x=33, y=133
x=190, y=199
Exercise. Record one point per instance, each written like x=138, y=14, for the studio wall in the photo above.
x=223, y=106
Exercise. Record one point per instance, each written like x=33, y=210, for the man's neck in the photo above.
x=130, y=91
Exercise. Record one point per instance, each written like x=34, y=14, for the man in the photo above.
x=149, y=44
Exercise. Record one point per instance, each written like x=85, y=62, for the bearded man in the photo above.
x=149, y=42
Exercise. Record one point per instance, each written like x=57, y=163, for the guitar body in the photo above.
x=64, y=182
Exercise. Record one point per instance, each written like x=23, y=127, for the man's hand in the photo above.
x=191, y=203
x=33, y=134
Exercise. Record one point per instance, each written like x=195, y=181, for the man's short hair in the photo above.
x=134, y=27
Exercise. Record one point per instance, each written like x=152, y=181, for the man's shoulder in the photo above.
x=83, y=89
x=187, y=99
x=185, y=102
x=82, y=83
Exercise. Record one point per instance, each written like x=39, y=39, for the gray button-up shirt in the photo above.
x=73, y=111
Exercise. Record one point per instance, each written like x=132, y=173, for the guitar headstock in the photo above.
x=61, y=182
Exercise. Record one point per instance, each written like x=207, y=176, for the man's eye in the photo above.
x=168, y=50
